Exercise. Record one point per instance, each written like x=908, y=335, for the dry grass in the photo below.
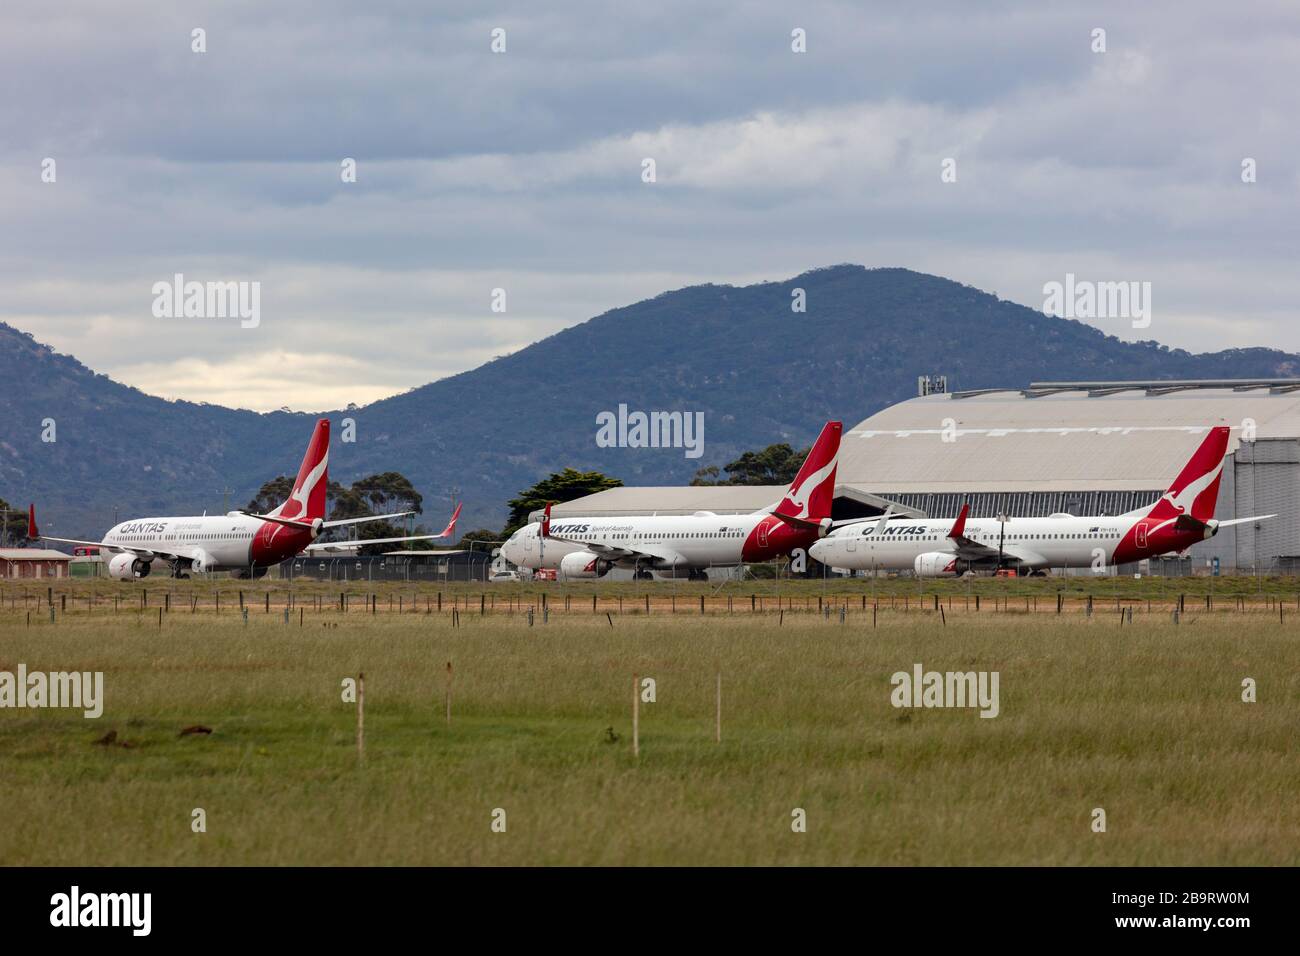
x=1145, y=721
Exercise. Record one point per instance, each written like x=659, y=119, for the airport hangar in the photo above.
x=1075, y=447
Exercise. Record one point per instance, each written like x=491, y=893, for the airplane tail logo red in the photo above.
x=450, y=530
x=1196, y=489
x=307, y=500
x=809, y=496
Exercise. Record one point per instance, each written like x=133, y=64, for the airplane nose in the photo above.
x=818, y=549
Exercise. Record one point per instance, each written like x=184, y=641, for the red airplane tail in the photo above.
x=450, y=530
x=810, y=494
x=1196, y=489
x=307, y=500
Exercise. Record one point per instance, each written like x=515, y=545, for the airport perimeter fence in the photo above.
x=48, y=604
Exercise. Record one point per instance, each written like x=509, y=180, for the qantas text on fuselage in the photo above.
x=239, y=541
x=1183, y=515
x=586, y=547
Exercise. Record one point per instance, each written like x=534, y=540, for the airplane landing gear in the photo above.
x=697, y=575
x=643, y=575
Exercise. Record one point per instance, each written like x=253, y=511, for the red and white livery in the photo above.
x=239, y=541
x=687, y=545
x=1183, y=516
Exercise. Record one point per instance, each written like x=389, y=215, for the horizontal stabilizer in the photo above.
x=363, y=519
x=1225, y=524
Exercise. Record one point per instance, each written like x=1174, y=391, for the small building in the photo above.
x=431, y=566
x=33, y=563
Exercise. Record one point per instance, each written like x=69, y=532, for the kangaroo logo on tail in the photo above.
x=1196, y=489
x=307, y=500
x=810, y=494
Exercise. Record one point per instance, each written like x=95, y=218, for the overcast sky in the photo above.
x=523, y=170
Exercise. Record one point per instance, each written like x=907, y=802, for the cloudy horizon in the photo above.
x=523, y=171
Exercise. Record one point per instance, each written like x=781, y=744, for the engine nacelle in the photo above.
x=127, y=567
x=583, y=564
x=202, y=562
x=936, y=564
x=824, y=527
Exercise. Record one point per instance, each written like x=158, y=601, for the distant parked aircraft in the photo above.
x=239, y=541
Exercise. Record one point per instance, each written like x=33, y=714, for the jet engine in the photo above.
x=202, y=562
x=127, y=567
x=583, y=564
x=936, y=564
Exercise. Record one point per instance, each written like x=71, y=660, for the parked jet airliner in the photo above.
x=687, y=544
x=1183, y=516
x=238, y=541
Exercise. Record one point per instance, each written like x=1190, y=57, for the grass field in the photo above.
x=1144, y=720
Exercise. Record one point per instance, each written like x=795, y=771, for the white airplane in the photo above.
x=687, y=544
x=239, y=541
x=1183, y=516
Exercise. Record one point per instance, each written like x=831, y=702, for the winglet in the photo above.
x=32, y=532
x=959, y=526
x=450, y=530
x=546, y=521
x=883, y=523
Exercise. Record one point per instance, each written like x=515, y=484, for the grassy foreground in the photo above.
x=1144, y=720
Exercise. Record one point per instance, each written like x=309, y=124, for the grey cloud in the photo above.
x=523, y=170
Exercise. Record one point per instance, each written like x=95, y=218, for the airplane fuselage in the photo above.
x=1031, y=543
x=231, y=542
x=681, y=541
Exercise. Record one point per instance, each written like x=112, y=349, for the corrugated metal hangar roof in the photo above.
x=1049, y=437
x=1056, y=436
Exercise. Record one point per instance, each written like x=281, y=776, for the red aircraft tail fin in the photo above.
x=810, y=495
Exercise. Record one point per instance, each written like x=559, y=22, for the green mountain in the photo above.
x=759, y=372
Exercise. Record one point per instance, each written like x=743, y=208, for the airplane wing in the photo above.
x=655, y=556
x=880, y=521
x=336, y=546
x=1014, y=553
x=650, y=556
x=34, y=534
x=308, y=525
x=343, y=521
x=977, y=552
x=182, y=552
x=353, y=545
x=967, y=548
